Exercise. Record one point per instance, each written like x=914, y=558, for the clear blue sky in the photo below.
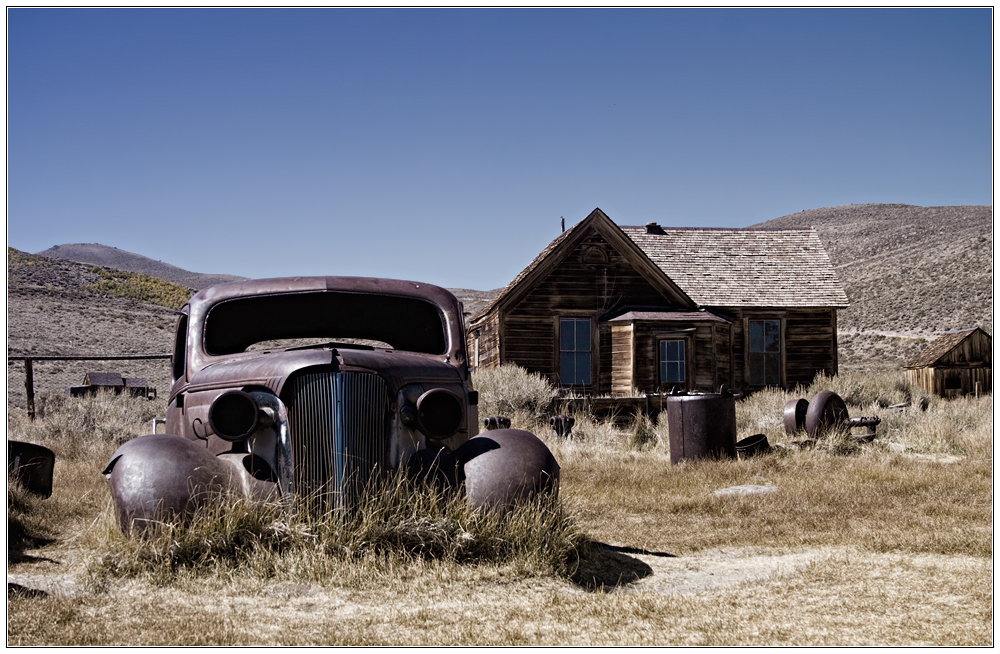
x=444, y=145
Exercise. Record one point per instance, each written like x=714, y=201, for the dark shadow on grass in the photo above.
x=604, y=567
x=636, y=550
x=20, y=557
x=19, y=540
x=17, y=591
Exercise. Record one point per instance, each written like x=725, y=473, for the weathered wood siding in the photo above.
x=808, y=343
x=700, y=345
x=593, y=279
x=722, y=337
x=489, y=341
x=974, y=351
x=621, y=358
x=963, y=381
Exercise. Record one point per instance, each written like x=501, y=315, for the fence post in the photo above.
x=29, y=387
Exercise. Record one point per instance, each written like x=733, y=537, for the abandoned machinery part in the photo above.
x=162, y=478
x=496, y=422
x=825, y=412
x=498, y=468
x=506, y=466
x=32, y=466
x=752, y=446
x=562, y=425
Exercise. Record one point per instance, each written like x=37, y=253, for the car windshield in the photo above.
x=403, y=323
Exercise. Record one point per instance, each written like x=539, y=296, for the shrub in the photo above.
x=510, y=390
x=868, y=389
x=138, y=287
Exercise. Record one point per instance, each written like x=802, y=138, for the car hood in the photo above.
x=272, y=369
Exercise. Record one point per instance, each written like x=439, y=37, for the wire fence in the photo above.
x=29, y=376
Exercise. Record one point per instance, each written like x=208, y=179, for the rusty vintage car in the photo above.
x=300, y=389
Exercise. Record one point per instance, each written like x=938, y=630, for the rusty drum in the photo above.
x=701, y=426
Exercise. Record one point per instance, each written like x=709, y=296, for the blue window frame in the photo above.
x=673, y=363
x=574, y=351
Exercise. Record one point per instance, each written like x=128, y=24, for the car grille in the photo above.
x=339, y=427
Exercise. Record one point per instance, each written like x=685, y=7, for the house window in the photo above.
x=672, y=362
x=574, y=351
x=477, y=352
x=765, y=352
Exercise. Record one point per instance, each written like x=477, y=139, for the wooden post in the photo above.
x=29, y=388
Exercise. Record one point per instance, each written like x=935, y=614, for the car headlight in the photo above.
x=233, y=415
x=439, y=413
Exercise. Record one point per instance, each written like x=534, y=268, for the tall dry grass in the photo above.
x=396, y=523
x=82, y=432
x=923, y=485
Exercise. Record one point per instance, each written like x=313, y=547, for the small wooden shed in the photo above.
x=108, y=379
x=956, y=363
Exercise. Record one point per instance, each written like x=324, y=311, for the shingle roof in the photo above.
x=745, y=267
x=939, y=347
x=103, y=379
x=671, y=316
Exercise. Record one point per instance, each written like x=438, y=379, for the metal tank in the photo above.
x=701, y=426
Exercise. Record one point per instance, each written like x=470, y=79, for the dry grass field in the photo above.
x=888, y=543
x=842, y=544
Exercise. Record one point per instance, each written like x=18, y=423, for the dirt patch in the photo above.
x=717, y=569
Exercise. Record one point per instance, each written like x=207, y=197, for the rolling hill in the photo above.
x=111, y=257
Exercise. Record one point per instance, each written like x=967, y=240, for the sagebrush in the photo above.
x=138, y=287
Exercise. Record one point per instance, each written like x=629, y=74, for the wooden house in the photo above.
x=605, y=309
x=956, y=363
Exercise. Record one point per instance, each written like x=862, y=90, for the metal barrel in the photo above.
x=701, y=426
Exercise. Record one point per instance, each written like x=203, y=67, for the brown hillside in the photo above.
x=51, y=310
x=910, y=272
x=103, y=255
